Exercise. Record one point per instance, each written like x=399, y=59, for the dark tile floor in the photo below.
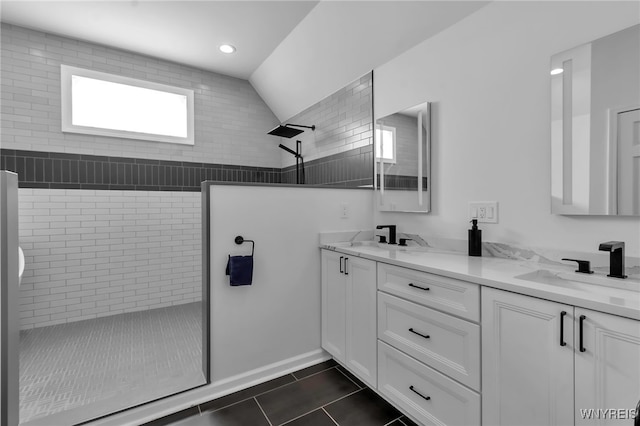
x=321, y=395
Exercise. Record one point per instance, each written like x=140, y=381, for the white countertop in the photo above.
x=600, y=293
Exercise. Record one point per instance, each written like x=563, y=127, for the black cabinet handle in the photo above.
x=562, y=315
x=341, y=271
x=417, y=286
x=582, y=318
x=418, y=393
x=426, y=336
x=346, y=266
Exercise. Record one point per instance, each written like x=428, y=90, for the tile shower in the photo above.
x=110, y=301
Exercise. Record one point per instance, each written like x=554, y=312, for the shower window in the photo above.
x=103, y=104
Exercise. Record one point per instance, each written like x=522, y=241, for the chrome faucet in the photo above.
x=616, y=258
x=392, y=232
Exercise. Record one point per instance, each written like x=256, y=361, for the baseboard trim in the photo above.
x=220, y=388
x=268, y=372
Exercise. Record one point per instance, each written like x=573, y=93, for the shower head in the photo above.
x=286, y=131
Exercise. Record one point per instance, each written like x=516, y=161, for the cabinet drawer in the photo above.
x=457, y=297
x=408, y=383
x=448, y=344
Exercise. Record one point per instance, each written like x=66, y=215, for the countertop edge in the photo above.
x=526, y=288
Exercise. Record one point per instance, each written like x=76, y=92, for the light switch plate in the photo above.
x=344, y=210
x=484, y=211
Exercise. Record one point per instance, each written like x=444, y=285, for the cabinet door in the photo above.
x=608, y=370
x=527, y=376
x=333, y=304
x=361, y=318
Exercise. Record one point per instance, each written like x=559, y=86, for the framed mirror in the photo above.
x=402, y=146
x=595, y=127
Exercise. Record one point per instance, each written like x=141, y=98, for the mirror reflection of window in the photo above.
x=386, y=144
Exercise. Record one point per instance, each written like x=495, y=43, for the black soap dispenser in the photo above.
x=475, y=239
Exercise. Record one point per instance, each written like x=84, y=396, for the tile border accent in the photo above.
x=353, y=168
x=55, y=170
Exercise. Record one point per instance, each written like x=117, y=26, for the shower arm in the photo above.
x=300, y=125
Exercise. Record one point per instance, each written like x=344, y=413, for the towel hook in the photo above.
x=240, y=240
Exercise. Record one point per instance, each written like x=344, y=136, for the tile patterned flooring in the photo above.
x=321, y=395
x=86, y=369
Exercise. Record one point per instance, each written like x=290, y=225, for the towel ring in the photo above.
x=240, y=240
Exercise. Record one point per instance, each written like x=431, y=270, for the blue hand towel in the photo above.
x=240, y=270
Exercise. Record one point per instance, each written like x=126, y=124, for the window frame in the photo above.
x=391, y=129
x=66, y=73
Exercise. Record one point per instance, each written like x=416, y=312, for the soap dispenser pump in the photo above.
x=475, y=239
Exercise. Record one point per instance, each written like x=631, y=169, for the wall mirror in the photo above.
x=402, y=160
x=595, y=127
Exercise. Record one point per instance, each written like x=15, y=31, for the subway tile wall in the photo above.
x=343, y=123
x=231, y=121
x=93, y=253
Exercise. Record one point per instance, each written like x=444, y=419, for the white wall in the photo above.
x=488, y=76
x=339, y=41
x=278, y=317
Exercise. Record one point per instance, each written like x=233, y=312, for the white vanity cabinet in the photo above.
x=527, y=374
x=607, y=365
x=429, y=345
x=542, y=362
x=349, y=313
x=446, y=351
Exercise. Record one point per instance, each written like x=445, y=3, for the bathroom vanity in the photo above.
x=469, y=341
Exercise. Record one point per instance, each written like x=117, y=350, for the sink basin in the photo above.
x=412, y=249
x=384, y=246
x=595, y=284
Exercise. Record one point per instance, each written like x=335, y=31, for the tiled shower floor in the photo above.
x=81, y=370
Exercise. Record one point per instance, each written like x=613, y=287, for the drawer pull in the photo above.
x=418, y=393
x=417, y=286
x=562, y=315
x=426, y=336
x=582, y=318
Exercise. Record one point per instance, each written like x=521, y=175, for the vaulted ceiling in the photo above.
x=293, y=52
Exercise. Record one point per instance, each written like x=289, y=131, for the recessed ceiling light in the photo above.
x=227, y=48
x=556, y=71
